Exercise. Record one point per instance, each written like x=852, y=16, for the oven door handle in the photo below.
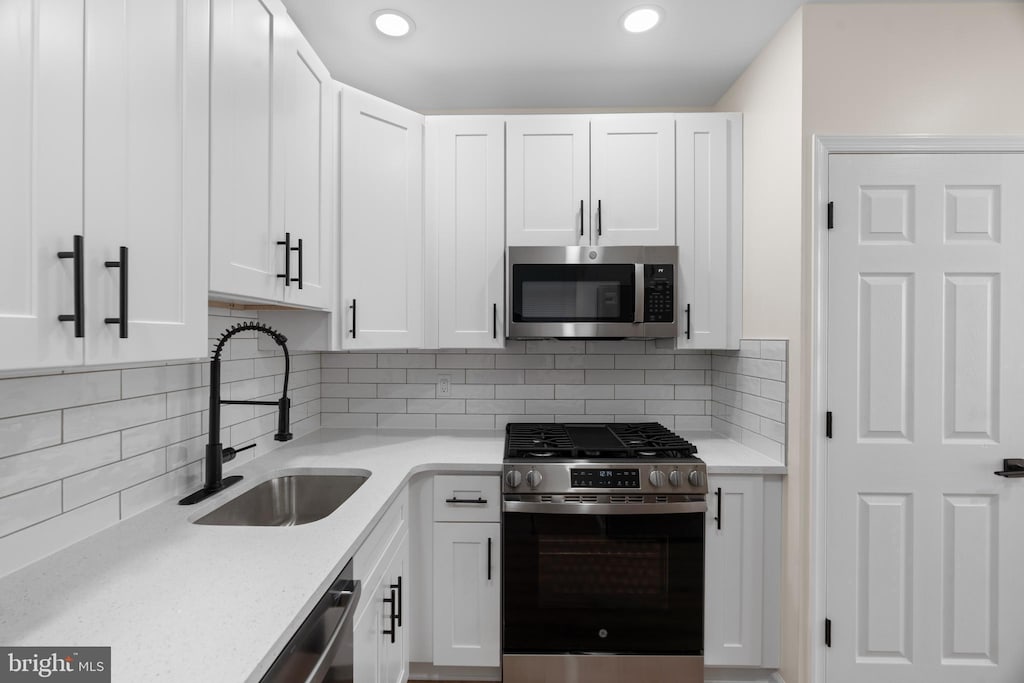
x=688, y=507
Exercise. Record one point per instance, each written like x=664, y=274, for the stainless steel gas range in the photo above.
x=603, y=554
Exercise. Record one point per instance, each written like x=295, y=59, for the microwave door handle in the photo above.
x=638, y=294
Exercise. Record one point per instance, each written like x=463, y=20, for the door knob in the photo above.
x=1012, y=467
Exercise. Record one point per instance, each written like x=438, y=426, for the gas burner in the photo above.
x=595, y=441
x=546, y=454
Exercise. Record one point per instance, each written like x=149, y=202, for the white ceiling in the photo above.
x=541, y=54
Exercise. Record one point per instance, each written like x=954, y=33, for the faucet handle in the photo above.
x=229, y=453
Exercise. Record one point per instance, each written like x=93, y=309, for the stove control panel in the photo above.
x=604, y=478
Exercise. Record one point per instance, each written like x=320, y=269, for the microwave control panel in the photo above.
x=659, y=302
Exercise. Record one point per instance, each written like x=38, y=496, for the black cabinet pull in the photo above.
x=122, y=294
x=77, y=253
x=478, y=501
x=598, y=217
x=392, y=616
x=581, y=218
x=488, y=558
x=287, y=244
x=494, y=322
x=353, y=307
x=718, y=517
x=398, y=605
x=298, y=249
x=687, y=321
x=1012, y=468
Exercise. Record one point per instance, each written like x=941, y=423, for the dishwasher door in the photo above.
x=321, y=650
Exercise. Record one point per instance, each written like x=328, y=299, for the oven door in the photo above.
x=603, y=583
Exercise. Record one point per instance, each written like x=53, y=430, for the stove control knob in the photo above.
x=513, y=478
x=533, y=478
x=675, y=478
x=695, y=478
x=657, y=478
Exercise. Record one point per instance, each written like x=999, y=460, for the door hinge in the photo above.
x=828, y=633
x=828, y=425
x=830, y=216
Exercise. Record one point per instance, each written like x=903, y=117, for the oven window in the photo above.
x=573, y=293
x=631, y=584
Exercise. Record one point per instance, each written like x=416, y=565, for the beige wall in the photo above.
x=848, y=69
x=769, y=96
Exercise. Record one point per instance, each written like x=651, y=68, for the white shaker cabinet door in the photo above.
x=146, y=151
x=41, y=50
x=466, y=216
x=734, y=571
x=246, y=221
x=306, y=119
x=381, y=224
x=709, y=230
x=633, y=180
x=467, y=594
x=548, y=162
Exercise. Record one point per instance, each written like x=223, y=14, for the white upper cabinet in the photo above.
x=466, y=219
x=709, y=198
x=548, y=162
x=114, y=152
x=307, y=110
x=146, y=147
x=41, y=135
x=632, y=180
x=245, y=198
x=381, y=224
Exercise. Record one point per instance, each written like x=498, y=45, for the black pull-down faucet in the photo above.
x=216, y=454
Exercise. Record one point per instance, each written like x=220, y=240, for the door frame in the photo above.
x=822, y=147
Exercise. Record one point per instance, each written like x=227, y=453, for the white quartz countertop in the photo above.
x=183, y=602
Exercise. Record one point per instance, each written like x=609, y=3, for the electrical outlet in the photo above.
x=444, y=386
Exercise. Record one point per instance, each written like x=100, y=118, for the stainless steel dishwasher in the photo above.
x=321, y=650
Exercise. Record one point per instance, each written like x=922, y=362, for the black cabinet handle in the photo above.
x=353, y=307
x=398, y=605
x=298, y=249
x=489, y=541
x=718, y=517
x=494, y=322
x=598, y=217
x=77, y=253
x=687, y=321
x=478, y=501
x=393, y=617
x=1012, y=468
x=122, y=294
x=287, y=244
x=581, y=218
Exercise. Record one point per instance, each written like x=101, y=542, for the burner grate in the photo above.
x=537, y=440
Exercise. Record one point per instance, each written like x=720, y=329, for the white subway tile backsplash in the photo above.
x=349, y=360
x=456, y=375
x=149, y=493
x=108, y=417
x=499, y=376
x=590, y=362
x=466, y=361
x=584, y=391
x=158, y=434
x=675, y=407
x=26, y=395
x=563, y=406
x=525, y=361
x=29, y=432
x=94, y=484
x=377, y=376
x=29, y=507
x=773, y=350
x=348, y=419
x=436, y=405
x=332, y=390
x=626, y=346
x=376, y=405
x=418, y=421
x=560, y=346
x=692, y=391
x=776, y=391
x=497, y=406
x=405, y=391
x=475, y=391
x=523, y=390
x=465, y=422
x=614, y=376
x=693, y=423
x=180, y=454
x=405, y=360
x=188, y=401
x=674, y=376
x=555, y=376
x=616, y=407
x=644, y=391
x=160, y=379
x=764, y=407
x=28, y=470
x=643, y=362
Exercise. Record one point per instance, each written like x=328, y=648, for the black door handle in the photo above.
x=77, y=253
x=122, y=291
x=581, y=218
x=598, y=217
x=392, y=616
x=494, y=322
x=687, y=321
x=1012, y=468
x=489, y=541
x=298, y=249
x=718, y=517
x=398, y=606
x=353, y=307
x=287, y=244
x=478, y=501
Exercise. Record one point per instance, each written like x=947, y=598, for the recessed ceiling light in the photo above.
x=640, y=19
x=392, y=23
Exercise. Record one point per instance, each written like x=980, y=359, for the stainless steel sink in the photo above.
x=287, y=500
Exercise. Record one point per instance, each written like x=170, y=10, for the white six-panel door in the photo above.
x=548, y=180
x=925, y=546
x=146, y=161
x=633, y=172
x=41, y=51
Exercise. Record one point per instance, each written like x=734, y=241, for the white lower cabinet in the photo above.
x=734, y=571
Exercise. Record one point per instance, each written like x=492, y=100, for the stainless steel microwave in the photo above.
x=592, y=292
